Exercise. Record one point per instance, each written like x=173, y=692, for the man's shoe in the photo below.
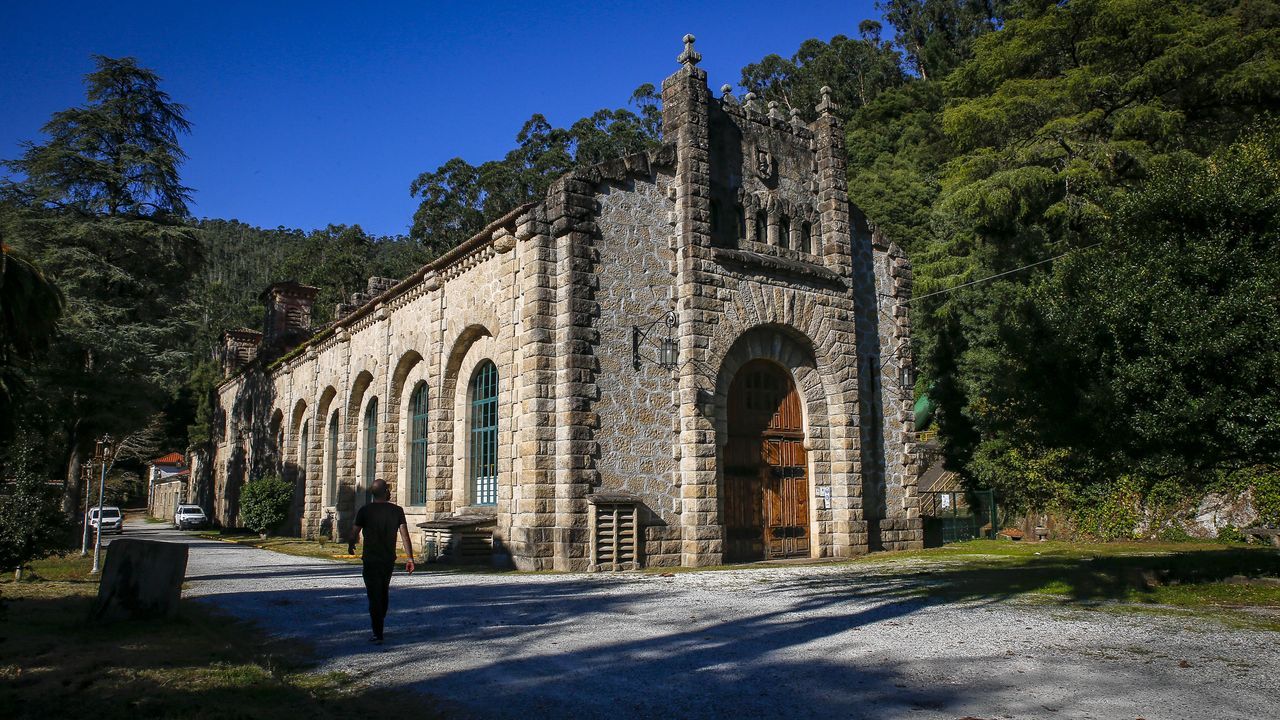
x=375, y=639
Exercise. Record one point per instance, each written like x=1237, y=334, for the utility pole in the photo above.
x=103, y=455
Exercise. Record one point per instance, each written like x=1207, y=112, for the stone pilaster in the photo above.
x=686, y=99
x=532, y=535
x=902, y=528
x=571, y=208
x=833, y=242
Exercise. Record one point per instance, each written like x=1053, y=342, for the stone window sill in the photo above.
x=772, y=263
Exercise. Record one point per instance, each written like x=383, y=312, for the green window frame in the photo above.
x=418, y=423
x=370, y=446
x=484, y=435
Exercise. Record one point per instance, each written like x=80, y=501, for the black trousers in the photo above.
x=377, y=583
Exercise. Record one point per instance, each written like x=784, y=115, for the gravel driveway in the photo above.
x=830, y=641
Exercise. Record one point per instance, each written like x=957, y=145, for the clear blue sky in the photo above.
x=322, y=112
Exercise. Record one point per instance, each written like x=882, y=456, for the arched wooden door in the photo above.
x=766, y=477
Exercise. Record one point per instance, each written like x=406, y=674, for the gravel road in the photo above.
x=826, y=641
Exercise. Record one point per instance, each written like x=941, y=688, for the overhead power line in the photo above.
x=1002, y=274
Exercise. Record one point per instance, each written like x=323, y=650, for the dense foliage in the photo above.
x=1076, y=131
x=264, y=503
x=31, y=522
x=458, y=198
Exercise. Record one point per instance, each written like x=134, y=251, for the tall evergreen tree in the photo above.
x=100, y=206
x=1058, y=118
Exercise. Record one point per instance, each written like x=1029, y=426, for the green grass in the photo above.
x=53, y=663
x=287, y=545
x=326, y=550
x=1238, y=584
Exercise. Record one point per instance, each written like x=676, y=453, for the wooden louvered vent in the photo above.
x=615, y=532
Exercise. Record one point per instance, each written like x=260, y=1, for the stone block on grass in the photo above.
x=142, y=579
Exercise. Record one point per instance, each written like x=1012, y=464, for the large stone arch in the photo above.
x=296, y=465
x=324, y=494
x=821, y=325
x=276, y=444
x=791, y=350
x=349, y=458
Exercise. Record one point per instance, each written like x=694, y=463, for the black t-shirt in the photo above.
x=381, y=522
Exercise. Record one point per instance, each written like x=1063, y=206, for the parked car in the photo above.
x=112, y=519
x=190, y=516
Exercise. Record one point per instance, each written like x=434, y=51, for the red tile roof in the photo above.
x=173, y=458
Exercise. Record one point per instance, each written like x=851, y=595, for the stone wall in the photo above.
x=741, y=226
x=637, y=414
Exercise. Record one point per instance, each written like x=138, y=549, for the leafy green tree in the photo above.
x=896, y=153
x=101, y=209
x=1173, y=319
x=30, y=306
x=937, y=35
x=264, y=503
x=856, y=69
x=459, y=198
x=31, y=523
x=1061, y=115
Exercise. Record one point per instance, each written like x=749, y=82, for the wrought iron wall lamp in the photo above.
x=668, y=351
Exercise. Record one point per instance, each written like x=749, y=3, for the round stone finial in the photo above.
x=690, y=56
x=725, y=89
x=826, y=105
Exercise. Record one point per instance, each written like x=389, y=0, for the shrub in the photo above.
x=1231, y=534
x=1174, y=534
x=264, y=503
x=31, y=522
x=1108, y=510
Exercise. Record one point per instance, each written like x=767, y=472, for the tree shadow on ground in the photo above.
x=1078, y=580
x=595, y=645
x=53, y=663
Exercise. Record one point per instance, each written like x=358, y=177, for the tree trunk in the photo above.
x=72, y=487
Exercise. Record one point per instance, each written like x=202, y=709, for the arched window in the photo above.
x=302, y=450
x=370, y=446
x=806, y=237
x=418, y=446
x=784, y=232
x=762, y=227
x=331, y=469
x=741, y=217
x=484, y=435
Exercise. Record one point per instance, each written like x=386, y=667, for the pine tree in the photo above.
x=101, y=208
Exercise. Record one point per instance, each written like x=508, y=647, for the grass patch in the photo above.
x=327, y=550
x=286, y=545
x=199, y=665
x=1239, y=584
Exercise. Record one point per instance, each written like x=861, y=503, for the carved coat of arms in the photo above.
x=764, y=164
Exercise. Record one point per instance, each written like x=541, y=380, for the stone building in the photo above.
x=689, y=356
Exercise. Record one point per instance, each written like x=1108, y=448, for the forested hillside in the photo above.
x=1089, y=191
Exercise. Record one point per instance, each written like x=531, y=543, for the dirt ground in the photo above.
x=836, y=640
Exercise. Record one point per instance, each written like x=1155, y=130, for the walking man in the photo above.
x=380, y=520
